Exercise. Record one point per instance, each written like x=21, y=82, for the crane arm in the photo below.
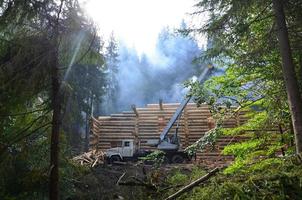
x=181, y=107
x=174, y=118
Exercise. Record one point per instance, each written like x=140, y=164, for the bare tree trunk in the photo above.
x=289, y=74
x=54, y=148
x=56, y=117
x=87, y=114
x=88, y=123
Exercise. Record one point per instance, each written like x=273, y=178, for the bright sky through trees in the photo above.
x=138, y=22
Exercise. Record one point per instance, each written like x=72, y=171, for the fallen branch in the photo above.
x=121, y=177
x=119, y=163
x=137, y=182
x=193, y=184
x=171, y=186
x=134, y=183
x=95, y=162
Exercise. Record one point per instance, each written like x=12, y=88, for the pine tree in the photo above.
x=289, y=74
x=112, y=68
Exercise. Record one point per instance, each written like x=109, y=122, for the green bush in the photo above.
x=157, y=158
x=177, y=178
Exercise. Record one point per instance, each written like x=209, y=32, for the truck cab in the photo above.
x=127, y=150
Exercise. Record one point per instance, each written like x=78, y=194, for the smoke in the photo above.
x=144, y=79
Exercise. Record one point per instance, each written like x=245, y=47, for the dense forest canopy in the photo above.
x=246, y=39
x=56, y=71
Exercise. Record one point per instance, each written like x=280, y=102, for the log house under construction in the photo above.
x=142, y=124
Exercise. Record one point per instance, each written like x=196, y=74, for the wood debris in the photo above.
x=91, y=158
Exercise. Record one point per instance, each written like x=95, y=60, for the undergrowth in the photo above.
x=280, y=180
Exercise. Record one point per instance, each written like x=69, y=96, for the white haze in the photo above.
x=138, y=22
x=152, y=64
x=148, y=78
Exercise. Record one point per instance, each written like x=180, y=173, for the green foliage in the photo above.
x=196, y=173
x=207, y=140
x=281, y=180
x=25, y=169
x=26, y=63
x=156, y=157
x=263, y=146
x=241, y=150
x=177, y=178
x=242, y=40
x=256, y=121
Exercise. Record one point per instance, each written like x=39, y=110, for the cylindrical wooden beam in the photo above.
x=211, y=123
x=134, y=110
x=161, y=104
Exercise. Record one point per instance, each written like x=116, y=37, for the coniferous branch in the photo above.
x=24, y=113
x=21, y=137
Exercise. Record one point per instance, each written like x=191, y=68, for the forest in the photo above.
x=58, y=74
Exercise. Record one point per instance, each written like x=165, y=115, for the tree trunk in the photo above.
x=54, y=148
x=56, y=116
x=290, y=78
x=88, y=122
x=87, y=114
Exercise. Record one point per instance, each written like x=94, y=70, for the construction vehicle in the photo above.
x=169, y=145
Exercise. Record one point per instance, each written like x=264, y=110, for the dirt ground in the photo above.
x=126, y=181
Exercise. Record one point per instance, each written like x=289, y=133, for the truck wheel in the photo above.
x=177, y=159
x=166, y=160
x=114, y=159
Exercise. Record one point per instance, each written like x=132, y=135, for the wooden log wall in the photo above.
x=142, y=124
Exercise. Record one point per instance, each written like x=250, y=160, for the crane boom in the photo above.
x=181, y=107
x=174, y=118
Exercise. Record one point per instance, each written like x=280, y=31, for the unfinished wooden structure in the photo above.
x=142, y=124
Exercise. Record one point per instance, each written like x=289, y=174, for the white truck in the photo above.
x=128, y=152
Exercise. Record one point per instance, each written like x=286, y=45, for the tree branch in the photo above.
x=84, y=54
x=17, y=139
x=24, y=113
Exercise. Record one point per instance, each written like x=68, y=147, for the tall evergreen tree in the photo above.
x=112, y=68
x=289, y=73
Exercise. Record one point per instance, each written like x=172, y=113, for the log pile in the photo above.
x=91, y=158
